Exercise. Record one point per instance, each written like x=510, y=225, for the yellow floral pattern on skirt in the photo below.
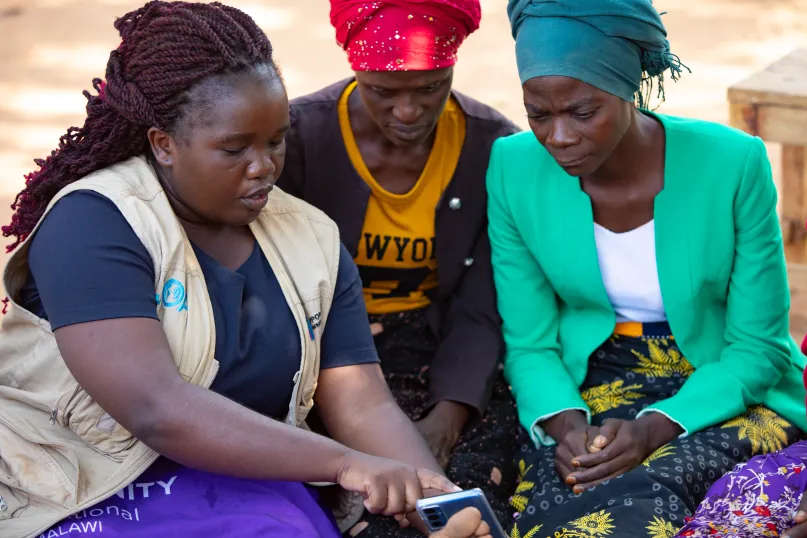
x=764, y=428
x=661, y=362
x=659, y=528
x=589, y=526
x=515, y=533
x=662, y=452
x=609, y=396
x=519, y=500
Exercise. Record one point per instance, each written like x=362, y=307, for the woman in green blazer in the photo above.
x=641, y=280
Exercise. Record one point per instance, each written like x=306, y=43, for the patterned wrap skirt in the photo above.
x=484, y=454
x=636, y=367
x=758, y=498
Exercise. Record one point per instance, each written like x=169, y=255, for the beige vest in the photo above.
x=59, y=451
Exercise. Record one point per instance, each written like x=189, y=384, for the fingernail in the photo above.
x=456, y=489
x=571, y=480
x=578, y=490
x=575, y=463
x=600, y=441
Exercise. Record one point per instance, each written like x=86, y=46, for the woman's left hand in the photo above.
x=629, y=443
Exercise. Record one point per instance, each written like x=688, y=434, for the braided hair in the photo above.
x=167, y=49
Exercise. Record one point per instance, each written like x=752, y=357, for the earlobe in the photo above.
x=162, y=146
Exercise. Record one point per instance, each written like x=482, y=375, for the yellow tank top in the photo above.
x=396, y=256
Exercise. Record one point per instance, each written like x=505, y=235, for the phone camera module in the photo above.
x=435, y=517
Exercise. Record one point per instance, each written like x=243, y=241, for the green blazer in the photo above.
x=721, y=267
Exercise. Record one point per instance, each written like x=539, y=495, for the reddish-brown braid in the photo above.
x=166, y=48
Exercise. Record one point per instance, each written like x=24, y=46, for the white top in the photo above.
x=630, y=275
x=629, y=272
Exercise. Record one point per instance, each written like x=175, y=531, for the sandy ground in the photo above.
x=51, y=49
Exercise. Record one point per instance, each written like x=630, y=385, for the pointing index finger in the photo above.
x=432, y=480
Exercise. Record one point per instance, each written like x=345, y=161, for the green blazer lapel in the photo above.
x=673, y=258
x=581, y=261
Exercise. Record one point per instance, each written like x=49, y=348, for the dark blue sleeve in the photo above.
x=347, y=339
x=87, y=264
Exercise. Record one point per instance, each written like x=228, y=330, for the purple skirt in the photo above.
x=169, y=500
x=758, y=498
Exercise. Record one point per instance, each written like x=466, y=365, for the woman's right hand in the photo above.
x=389, y=487
x=574, y=436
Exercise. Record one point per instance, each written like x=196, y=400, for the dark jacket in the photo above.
x=463, y=312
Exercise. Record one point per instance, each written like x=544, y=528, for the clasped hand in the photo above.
x=589, y=455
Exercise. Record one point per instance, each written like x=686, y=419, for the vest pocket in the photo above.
x=77, y=411
x=26, y=468
x=12, y=501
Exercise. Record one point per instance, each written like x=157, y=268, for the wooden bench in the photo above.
x=772, y=104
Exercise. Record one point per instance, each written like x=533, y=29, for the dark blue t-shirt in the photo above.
x=87, y=264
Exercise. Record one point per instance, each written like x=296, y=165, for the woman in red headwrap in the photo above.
x=398, y=159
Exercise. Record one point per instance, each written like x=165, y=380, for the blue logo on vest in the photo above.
x=313, y=323
x=173, y=295
x=311, y=331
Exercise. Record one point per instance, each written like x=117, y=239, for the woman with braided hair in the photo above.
x=154, y=260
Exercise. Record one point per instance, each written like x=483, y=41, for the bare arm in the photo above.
x=127, y=367
x=358, y=410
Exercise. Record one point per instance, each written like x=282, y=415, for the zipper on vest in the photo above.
x=3, y=505
x=53, y=414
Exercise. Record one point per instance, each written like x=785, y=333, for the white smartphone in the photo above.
x=436, y=511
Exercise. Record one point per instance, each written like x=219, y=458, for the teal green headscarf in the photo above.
x=618, y=46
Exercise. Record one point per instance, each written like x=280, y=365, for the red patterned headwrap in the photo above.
x=403, y=35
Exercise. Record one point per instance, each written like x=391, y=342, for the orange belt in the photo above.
x=638, y=329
